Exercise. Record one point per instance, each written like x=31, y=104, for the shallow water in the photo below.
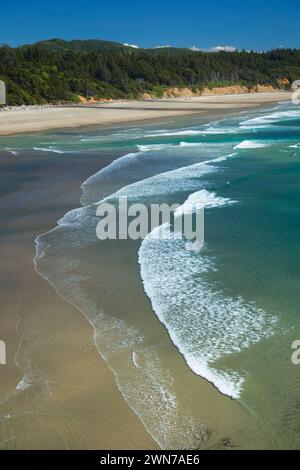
x=230, y=312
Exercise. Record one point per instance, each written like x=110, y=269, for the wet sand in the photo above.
x=69, y=399
x=116, y=112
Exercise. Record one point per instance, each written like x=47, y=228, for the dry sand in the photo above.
x=116, y=112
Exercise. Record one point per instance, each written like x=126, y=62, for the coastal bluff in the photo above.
x=176, y=92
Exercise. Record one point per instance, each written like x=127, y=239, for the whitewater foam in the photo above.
x=182, y=179
x=204, y=324
x=154, y=147
x=191, y=144
x=271, y=118
x=224, y=158
x=144, y=382
x=14, y=152
x=55, y=150
x=195, y=132
x=187, y=132
x=296, y=146
x=250, y=144
x=202, y=200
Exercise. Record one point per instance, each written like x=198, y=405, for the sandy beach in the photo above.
x=67, y=393
x=74, y=384
x=118, y=112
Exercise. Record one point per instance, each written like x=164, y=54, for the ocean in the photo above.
x=200, y=343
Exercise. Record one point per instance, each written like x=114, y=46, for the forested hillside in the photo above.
x=57, y=71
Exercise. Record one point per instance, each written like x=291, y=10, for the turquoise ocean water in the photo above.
x=230, y=313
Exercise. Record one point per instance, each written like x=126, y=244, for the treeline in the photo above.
x=58, y=71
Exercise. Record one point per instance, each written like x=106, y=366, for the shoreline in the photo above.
x=60, y=343
x=21, y=121
x=205, y=385
x=212, y=396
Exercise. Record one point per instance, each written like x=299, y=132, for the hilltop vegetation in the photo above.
x=58, y=71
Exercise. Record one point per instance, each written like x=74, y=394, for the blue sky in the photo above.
x=247, y=25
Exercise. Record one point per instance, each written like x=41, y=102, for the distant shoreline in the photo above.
x=47, y=117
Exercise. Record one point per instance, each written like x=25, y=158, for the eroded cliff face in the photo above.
x=179, y=93
x=226, y=90
x=176, y=92
x=92, y=100
x=263, y=89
